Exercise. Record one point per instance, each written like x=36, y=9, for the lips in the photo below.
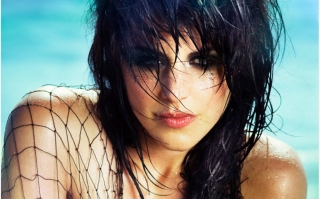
x=176, y=120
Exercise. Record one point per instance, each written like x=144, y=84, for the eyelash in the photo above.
x=146, y=61
x=152, y=62
x=204, y=62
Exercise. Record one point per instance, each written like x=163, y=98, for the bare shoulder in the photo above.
x=50, y=139
x=273, y=170
x=56, y=109
x=59, y=97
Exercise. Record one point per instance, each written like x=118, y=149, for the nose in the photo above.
x=175, y=85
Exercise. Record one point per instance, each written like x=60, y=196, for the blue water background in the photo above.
x=47, y=42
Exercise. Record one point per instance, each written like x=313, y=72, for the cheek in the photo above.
x=214, y=97
x=219, y=99
x=212, y=80
x=138, y=90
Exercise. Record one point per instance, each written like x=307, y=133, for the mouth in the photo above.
x=175, y=119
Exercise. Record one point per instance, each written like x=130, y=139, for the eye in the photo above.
x=146, y=59
x=146, y=62
x=204, y=62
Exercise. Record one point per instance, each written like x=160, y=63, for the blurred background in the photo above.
x=47, y=42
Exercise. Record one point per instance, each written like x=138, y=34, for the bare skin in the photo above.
x=272, y=170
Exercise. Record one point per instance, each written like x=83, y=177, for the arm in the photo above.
x=32, y=165
x=273, y=170
x=55, y=147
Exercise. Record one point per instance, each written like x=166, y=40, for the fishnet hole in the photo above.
x=55, y=147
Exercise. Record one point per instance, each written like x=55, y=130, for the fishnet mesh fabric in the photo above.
x=55, y=147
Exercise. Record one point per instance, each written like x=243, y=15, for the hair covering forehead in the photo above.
x=144, y=22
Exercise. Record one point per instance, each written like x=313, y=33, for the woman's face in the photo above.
x=177, y=103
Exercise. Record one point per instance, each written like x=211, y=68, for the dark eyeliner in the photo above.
x=146, y=58
x=205, y=60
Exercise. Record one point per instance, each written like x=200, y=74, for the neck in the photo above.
x=162, y=166
x=159, y=159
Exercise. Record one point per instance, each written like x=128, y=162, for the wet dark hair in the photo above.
x=245, y=35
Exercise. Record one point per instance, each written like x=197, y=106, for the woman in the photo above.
x=181, y=101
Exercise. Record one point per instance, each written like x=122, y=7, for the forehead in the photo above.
x=185, y=42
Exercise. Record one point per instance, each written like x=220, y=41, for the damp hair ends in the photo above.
x=246, y=36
